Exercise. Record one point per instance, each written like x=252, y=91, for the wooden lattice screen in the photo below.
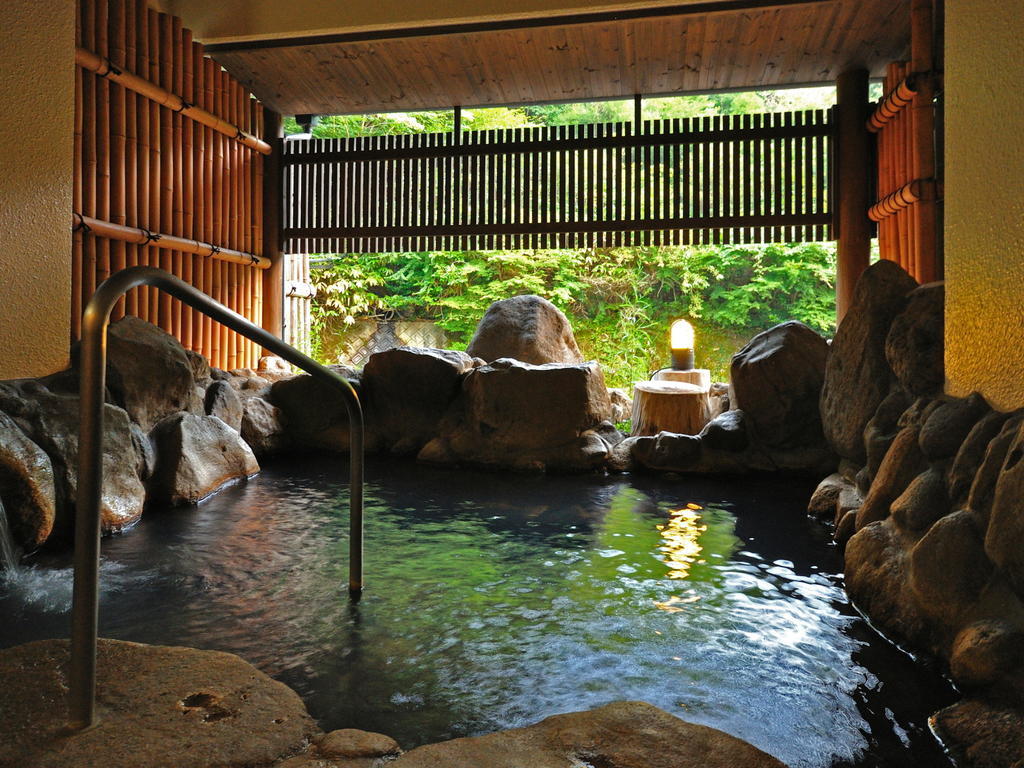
x=741, y=178
x=149, y=174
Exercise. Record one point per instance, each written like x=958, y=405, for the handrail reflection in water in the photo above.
x=96, y=318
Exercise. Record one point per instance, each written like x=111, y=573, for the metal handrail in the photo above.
x=85, y=603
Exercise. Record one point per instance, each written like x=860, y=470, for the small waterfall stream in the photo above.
x=9, y=552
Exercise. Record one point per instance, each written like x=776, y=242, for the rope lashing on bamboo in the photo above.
x=141, y=236
x=904, y=197
x=103, y=67
x=897, y=99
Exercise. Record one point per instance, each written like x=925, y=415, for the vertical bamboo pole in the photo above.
x=189, y=315
x=77, y=244
x=923, y=117
x=852, y=184
x=90, y=184
x=103, y=123
x=131, y=173
x=212, y=335
x=232, y=213
x=257, y=242
x=173, y=66
x=221, y=191
x=118, y=141
x=197, y=161
x=160, y=303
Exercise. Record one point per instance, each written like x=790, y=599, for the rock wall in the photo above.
x=929, y=503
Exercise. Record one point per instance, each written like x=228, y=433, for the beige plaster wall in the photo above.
x=985, y=200
x=226, y=20
x=37, y=94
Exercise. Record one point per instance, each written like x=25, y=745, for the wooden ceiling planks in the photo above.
x=734, y=49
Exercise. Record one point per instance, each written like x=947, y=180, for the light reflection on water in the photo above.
x=493, y=602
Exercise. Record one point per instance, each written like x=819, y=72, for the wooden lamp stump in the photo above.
x=669, y=406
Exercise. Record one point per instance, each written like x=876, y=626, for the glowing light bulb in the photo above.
x=681, y=342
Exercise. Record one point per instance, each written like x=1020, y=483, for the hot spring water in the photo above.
x=494, y=601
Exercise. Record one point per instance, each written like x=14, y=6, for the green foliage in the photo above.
x=620, y=301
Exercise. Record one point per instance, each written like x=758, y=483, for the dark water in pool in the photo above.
x=495, y=601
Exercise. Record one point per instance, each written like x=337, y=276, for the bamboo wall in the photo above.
x=151, y=167
x=298, y=296
x=906, y=183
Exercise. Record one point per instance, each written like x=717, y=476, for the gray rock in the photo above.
x=223, y=402
x=901, y=464
x=857, y=375
x=826, y=496
x=726, y=432
x=149, y=373
x=607, y=431
x=622, y=405
x=923, y=502
x=196, y=456
x=668, y=452
x=52, y=422
x=620, y=735
x=983, y=489
x=620, y=459
x=1004, y=540
x=408, y=390
x=145, y=454
x=273, y=368
x=314, y=414
x=352, y=743
x=26, y=486
x=876, y=572
x=261, y=427
x=850, y=500
x=971, y=454
x=915, y=344
x=512, y=414
x=776, y=381
x=985, y=653
x=161, y=707
x=881, y=430
x=202, y=374
x=948, y=425
x=948, y=568
x=526, y=328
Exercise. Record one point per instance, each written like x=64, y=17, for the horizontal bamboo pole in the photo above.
x=145, y=237
x=903, y=197
x=102, y=67
x=897, y=99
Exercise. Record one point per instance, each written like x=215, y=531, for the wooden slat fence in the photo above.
x=143, y=165
x=717, y=179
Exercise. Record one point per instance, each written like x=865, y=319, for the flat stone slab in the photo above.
x=160, y=707
x=627, y=734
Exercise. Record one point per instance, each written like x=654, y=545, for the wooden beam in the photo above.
x=273, y=209
x=852, y=184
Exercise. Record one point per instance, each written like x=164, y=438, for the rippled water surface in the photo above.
x=494, y=601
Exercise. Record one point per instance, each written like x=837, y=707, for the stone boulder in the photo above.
x=620, y=735
x=196, y=456
x=512, y=414
x=948, y=425
x=971, y=454
x=982, y=733
x=149, y=373
x=273, y=368
x=902, y=463
x=223, y=402
x=526, y=328
x=51, y=421
x=923, y=502
x=407, y=392
x=26, y=486
x=261, y=427
x=881, y=430
x=313, y=413
x=857, y=374
x=1004, y=539
x=776, y=381
x=983, y=488
x=622, y=404
x=916, y=341
x=162, y=707
x=826, y=496
x=727, y=432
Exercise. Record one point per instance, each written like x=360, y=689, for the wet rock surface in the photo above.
x=776, y=380
x=619, y=735
x=857, y=375
x=197, y=456
x=159, y=707
x=915, y=343
x=526, y=328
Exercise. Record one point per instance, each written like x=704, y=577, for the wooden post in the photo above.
x=851, y=187
x=273, y=202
